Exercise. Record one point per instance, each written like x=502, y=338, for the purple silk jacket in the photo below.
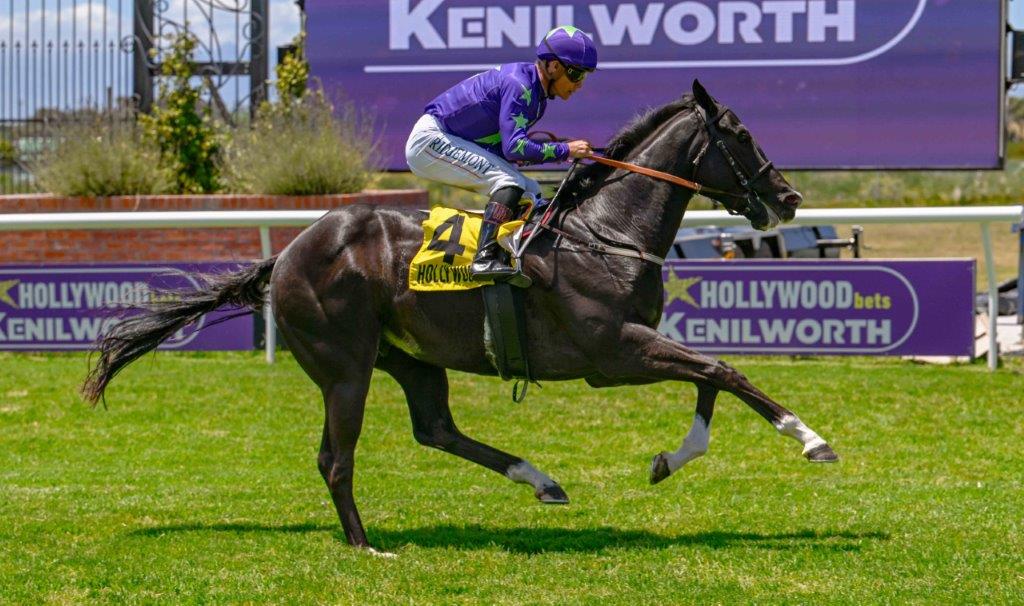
x=495, y=109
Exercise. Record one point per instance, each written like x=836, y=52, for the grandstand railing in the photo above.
x=266, y=219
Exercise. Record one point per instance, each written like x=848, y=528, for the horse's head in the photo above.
x=733, y=163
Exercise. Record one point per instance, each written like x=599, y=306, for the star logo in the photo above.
x=549, y=151
x=676, y=288
x=490, y=139
x=520, y=147
x=527, y=95
x=521, y=120
x=5, y=292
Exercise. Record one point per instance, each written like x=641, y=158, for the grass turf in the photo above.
x=199, y=485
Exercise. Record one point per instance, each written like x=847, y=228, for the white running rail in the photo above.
x=265, y=219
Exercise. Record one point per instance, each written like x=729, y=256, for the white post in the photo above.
x=993, y=300
x=269, y=334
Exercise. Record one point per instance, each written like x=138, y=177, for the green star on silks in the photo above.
x=490, y=139
x=527, y=95
x=676, y=288
x=520, y=147
x=521, y=120
x=549, y=151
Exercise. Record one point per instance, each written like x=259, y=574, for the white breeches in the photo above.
x=439, y=156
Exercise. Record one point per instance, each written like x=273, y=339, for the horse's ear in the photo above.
x=704, y=99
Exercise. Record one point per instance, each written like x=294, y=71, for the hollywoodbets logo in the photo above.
x=768, y=308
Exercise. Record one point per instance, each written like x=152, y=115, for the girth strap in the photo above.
x=604, y=248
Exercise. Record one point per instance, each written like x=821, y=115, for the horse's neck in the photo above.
x=641, y=210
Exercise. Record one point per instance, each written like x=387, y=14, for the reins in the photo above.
x=657, y=174
x=751, y=201
x=650, y=172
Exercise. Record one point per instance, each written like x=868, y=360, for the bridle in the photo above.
x=750, y=205
x=754, y=205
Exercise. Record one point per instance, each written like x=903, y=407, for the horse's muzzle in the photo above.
x=761, y=216
x=788, y=203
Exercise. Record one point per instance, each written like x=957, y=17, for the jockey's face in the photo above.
x=562, y=86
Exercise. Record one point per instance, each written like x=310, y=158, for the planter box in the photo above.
x=165, y=245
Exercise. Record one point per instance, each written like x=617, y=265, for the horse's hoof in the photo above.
x=552, y=495
x=380, y=554
x=821, y=454
x=659, y=467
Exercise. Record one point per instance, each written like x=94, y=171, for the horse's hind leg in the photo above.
x=345, y=401
x=426, y=390
x=340, y=360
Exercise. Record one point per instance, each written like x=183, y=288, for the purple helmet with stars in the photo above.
x=570, y=46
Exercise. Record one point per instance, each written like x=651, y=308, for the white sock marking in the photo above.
x=694, y=444
x=524, y=473
x=793, y=427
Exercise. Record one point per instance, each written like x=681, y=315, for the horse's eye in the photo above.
x=743, y=136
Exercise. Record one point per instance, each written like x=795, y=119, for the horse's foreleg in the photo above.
x=695, y=444
x=788, y=424
x=426, y=391
x=648, y=355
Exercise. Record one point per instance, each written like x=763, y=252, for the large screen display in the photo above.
x=821, y=83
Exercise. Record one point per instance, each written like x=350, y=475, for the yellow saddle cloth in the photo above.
x=450, y=239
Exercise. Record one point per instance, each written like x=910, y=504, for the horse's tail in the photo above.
x=140, y=334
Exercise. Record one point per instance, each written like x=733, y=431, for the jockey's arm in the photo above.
x=513, y=122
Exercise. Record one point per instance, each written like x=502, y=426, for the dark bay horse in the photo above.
x=341, y=301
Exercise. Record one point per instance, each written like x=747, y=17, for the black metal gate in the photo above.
x=99, y=59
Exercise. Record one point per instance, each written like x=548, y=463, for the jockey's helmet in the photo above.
x=570, y=46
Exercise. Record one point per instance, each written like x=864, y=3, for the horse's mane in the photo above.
x=587, y=180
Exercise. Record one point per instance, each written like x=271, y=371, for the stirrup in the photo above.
x=514, y=277
x=520, y=280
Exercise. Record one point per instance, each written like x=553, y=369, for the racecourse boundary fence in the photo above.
x=263, y=220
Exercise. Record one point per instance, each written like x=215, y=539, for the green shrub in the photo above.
x=188, y=142
x=97, y=159
x=8, y=152
x=301, y=148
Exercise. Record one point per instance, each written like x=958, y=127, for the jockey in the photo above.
x=471, y=135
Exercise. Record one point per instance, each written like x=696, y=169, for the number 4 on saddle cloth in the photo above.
x=442, y=264
x=450, y=239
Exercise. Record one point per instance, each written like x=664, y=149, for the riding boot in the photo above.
x=492, y=261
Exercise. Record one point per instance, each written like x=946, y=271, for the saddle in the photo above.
x=442, y=264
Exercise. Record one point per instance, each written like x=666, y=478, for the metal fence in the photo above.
x=75, y=60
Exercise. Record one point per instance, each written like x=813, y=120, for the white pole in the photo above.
x=993, y=300
x=269, y=333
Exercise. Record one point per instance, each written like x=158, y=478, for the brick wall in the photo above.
x=126, y=245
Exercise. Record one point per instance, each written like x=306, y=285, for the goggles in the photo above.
x=573, y=73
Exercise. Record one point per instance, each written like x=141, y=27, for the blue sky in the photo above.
x=33, y=25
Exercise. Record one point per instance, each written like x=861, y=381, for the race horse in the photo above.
x=341, y=299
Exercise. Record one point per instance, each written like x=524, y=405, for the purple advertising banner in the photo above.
x=820, y=83
x=66, y=307
x=855, y=307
